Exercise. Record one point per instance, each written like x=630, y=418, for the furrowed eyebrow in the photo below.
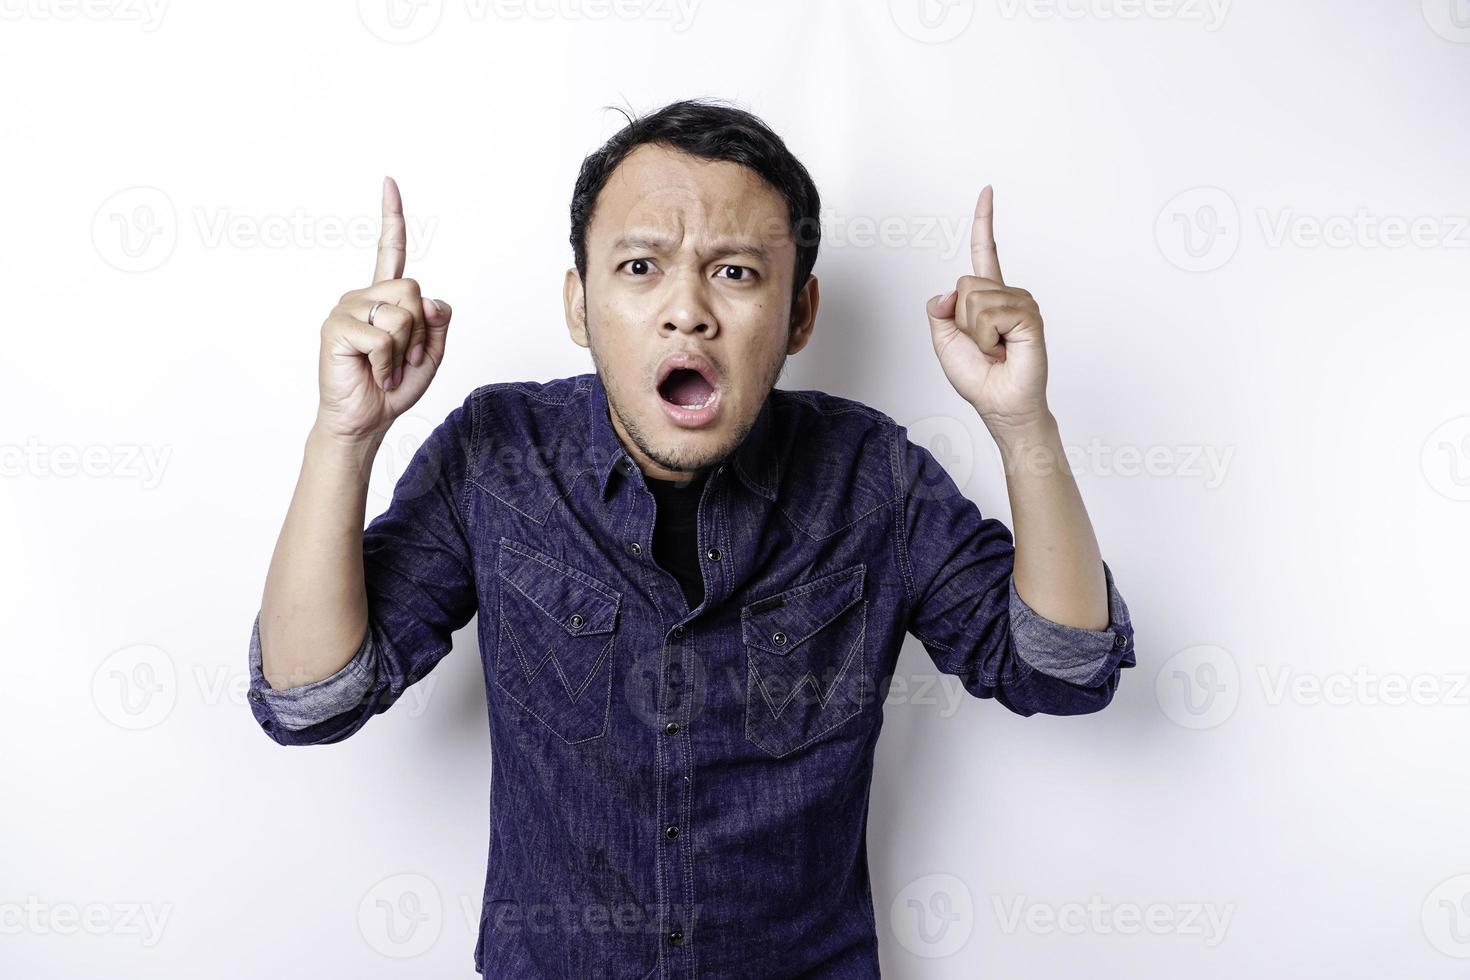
x=634, y=243
x=727, y=246
x=742, y=248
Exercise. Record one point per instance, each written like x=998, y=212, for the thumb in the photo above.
x=941, y=309
x=436, y=318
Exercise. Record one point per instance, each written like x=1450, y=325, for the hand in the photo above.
x=369, y=374
x=988, y=335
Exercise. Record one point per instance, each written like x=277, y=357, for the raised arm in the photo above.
x=314, y=609
x=1037, y=622
x=988, y=337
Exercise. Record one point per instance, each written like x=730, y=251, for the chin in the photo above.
x=676, y=448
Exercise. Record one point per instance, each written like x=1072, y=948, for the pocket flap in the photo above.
x=571, y=597
x=782, y=622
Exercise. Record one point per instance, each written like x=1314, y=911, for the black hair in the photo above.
x=713, y=131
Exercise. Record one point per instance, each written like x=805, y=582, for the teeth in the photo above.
x=708, y=398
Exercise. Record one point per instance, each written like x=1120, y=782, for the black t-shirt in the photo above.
x=675, y=532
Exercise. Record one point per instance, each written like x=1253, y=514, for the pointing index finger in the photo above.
x=393, y=241
x=983, y=255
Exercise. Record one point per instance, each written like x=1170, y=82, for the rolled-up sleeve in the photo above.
x=963, y=606
x=418, y=571
x=301, y=707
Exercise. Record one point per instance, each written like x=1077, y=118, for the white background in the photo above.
x=1246, y=228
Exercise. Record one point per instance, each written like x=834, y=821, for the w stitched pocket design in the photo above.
x=807, y=669
x=558, y=626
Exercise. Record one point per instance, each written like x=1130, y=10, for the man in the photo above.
x=691, y=586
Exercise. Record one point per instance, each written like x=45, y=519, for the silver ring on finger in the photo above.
x=373, y=309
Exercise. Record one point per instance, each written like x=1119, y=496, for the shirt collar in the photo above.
x=754, y=460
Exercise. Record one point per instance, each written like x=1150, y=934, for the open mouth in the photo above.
x=689, y=389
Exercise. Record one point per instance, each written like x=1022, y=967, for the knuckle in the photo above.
x=400, y=322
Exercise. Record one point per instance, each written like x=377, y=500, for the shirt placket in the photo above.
x=679, y=681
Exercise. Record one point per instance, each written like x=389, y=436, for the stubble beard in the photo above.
x=672, y=458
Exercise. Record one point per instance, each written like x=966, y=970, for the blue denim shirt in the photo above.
x=683, y=792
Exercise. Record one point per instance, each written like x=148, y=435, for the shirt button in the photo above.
x=672, y=728
x=676, y=937
x=255, y=695
x=671, y=832
x=636, y=548
x=713, y=554
x=627, y=465
x=1119, y=639
x=679, y=631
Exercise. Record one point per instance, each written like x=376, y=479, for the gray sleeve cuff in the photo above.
x=1071, y=654
x=311, y=704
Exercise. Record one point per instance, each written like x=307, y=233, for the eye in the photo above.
x=745, y=273
x=639, y=267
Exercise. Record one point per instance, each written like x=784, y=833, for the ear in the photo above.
x=803, y=315
x=574, y=302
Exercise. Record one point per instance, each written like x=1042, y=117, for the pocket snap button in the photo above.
x=778, y=638
x=576, y=621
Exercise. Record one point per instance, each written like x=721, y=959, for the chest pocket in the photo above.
x=557, y=631
x=807, y=668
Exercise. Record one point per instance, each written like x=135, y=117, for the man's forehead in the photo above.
x=667, y=190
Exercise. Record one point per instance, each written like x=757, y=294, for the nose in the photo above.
x=687, y=310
